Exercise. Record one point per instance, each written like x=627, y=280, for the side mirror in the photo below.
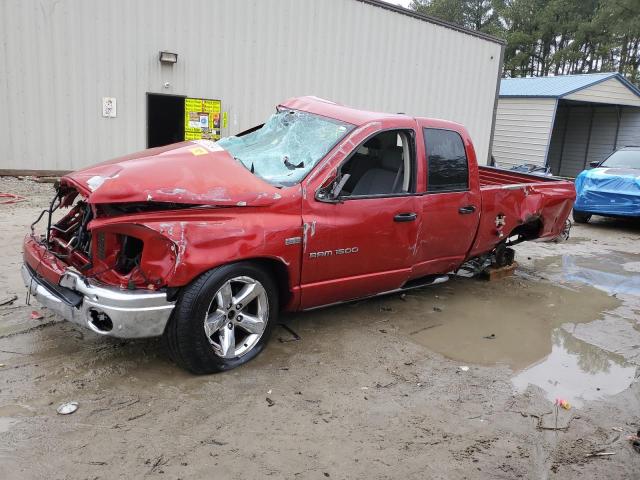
x=594, y=164
x=331, y=193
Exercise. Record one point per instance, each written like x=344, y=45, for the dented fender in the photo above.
x=202, y=239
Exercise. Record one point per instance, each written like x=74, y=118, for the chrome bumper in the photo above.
x=132, y=313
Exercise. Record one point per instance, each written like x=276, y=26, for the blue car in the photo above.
x=611, y=189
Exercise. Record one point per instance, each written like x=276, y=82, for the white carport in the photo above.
x=565, y=122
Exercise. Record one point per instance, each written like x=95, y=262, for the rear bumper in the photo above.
x=130, y=313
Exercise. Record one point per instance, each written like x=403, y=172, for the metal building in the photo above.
x=82, y=81
x=565, y=122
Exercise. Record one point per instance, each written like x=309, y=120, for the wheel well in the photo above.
x=275, y=267
x=280, y=275
x=529, y=230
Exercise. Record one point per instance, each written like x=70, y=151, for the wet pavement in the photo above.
x=372, y=389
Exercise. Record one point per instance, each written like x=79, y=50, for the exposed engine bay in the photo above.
x=114, y=254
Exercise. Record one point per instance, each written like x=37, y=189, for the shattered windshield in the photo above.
x=623, y=159
x=287, y=146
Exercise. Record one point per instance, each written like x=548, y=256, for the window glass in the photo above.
x=623, y=159
x=380, y=166
x=287, y=146
x=447, y=168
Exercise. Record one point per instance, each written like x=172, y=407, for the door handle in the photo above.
x=405, y=217
x=466, y=210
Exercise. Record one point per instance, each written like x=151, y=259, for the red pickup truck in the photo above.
x=206, y=242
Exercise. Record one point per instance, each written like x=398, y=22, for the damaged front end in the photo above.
x=125, y=255
x=107, y=276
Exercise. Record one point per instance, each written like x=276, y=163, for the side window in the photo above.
x=447, y=167
x=383, y=165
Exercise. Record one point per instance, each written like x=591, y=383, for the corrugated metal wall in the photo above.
x=629, y=133
x=592, y=133
x=59, y=58
x=522, y=130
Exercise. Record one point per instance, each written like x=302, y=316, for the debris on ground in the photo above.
x=46, y=179
x=490, y=337
x=8, y=198
x=600, y=454
x=494, y=273
x=270, y=402
x=635, y=441
x=463, y=368
x=294, y=336
x=8, y=300
x=437, y=309
x=67, y=408
x=36, y=315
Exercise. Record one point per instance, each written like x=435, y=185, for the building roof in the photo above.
x=388, y=5
x=557, y=87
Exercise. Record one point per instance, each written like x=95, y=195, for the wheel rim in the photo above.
x=237, y=317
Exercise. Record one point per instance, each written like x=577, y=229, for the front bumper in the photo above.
x=130, y=313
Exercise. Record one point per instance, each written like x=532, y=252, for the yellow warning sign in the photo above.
x=202, y=119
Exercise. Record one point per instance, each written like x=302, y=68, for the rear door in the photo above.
x=450, y=204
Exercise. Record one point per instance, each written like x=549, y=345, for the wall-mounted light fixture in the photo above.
x=168, y=57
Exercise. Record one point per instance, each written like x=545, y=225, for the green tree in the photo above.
x=553, y=37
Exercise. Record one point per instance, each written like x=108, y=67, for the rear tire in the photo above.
x=581, y=217
x=211, y=330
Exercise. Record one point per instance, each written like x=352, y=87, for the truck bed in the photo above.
x=532, y=204
x=498, y=177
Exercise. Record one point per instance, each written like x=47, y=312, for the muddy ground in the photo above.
x=372, y=390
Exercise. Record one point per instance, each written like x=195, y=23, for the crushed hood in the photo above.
x=199, y=173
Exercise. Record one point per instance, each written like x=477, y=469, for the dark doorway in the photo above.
x=165, y=119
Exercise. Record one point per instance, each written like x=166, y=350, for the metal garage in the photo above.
x=84, y=81
x=565, y=122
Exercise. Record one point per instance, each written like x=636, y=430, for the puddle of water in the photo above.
x=576, y=371
x=610, y=274
x=534, y=323
x=8, y=414
x=6, y=423
x=521, y=316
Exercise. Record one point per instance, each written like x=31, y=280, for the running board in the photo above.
x=410, y=285
x=425, y=282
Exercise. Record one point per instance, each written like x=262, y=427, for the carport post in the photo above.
x=564, y=136
x=586, y=153
x=618, y=115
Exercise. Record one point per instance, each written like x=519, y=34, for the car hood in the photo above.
x=613, y=180
x=198, y=173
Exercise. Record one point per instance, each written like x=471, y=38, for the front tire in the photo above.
x=223, y=318
x=581, y=217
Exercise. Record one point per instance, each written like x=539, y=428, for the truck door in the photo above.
x=363, y=243
x=450, y=206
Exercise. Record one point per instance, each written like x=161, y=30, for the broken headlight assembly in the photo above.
x=119, y=254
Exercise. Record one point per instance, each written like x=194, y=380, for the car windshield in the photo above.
x=287, y=146
x=623, y=159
